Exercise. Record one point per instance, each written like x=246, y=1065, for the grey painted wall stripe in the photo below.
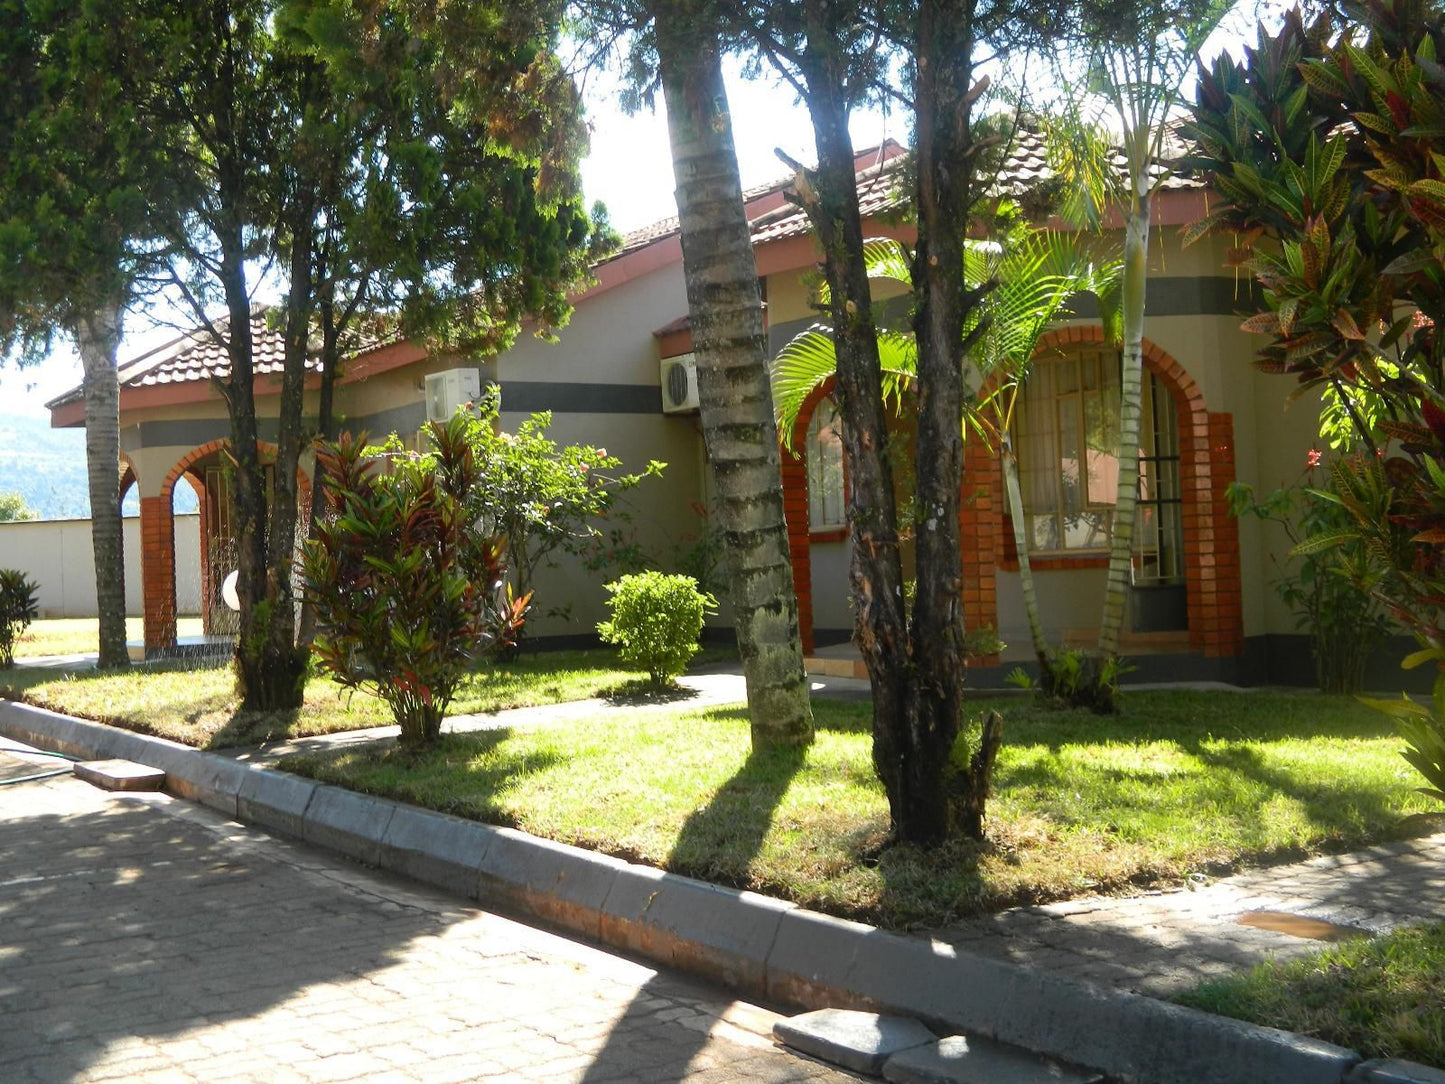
x=528, y=396
x=1176, y=295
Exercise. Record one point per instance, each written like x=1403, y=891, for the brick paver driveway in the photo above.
x=143, y=938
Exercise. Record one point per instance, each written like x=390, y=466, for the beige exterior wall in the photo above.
x=57, y=555
x=610, y=341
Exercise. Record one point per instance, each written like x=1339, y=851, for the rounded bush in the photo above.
x=656, y=621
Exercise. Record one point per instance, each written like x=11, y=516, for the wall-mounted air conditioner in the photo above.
x=449, y=389
x=679, y=384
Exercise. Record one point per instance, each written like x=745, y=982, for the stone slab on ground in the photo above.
x=960, y=1059
x=119, y=775
x=862, y=1041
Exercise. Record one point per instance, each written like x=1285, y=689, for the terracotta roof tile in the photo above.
x=878, y=190
x=197, y=356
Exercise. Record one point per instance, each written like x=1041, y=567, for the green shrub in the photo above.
x=656, y=620
x=18, y=607
x=408, y=594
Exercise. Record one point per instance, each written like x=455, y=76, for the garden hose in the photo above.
x=48, y=774
x=26, y=752
x=34, y=778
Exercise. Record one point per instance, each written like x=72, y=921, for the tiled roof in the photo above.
x=667, y=227
x=879, y=191
x=198, y=355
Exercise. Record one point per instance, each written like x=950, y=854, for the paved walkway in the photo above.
x=144, y=938
x=1165, y=942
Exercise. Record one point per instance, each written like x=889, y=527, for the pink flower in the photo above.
x=1313, y=458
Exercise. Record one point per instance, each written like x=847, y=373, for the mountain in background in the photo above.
x=47, y=468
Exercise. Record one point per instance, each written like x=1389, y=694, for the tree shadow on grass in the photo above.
x=245, y=728
x=638, y=691
x=717, y=843
x=466, y=775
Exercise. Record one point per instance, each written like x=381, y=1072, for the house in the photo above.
x=618, y=377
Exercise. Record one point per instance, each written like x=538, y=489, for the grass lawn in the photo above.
x=1385, y=997
x=198, y=706
x=1181, y=782
x=78, y=635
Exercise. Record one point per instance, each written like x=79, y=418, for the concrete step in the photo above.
x=861, y=1041
x=960, y=1059
x=904, y=1051
x=120, y=775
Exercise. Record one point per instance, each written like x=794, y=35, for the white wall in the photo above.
x=57, y=555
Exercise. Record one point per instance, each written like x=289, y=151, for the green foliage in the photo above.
x=540, y=496
x=656, y=620
x=1326, y=144
x=13, y=508
x=408, y=594
x=1037, y=271
x=1329, y=589
x=1377, y=995
x=18, y=607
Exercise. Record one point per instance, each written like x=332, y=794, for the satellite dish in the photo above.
x=228, y=590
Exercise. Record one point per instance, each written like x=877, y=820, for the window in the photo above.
x=826, y=510
x=1067, y=438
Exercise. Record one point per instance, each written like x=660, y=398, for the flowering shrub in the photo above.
x=408, y=594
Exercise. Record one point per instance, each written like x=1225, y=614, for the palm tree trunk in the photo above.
x=731, y=348
x=1121, y=548
x=97, y=338
x=1021, y=543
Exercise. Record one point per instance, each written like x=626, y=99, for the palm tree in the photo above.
x=1135, y=57
x=1037, y=272
x=731, y=346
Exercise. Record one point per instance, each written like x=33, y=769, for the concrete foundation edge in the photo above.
x=758, y=946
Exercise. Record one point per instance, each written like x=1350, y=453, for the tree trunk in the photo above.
x=731, y=348
x=97, y=338
x=1121, y=545
x=325, y=431
x=944, y=149
x=829, y=196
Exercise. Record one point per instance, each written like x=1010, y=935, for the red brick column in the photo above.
x=980, y=522
x=1221, y=615
x=203, y=503
x=158, y=570
x=795, y=511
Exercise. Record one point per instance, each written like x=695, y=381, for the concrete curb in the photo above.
x=759, y=946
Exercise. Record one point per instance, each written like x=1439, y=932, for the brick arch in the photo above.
x=795, y=510
x=158, y=556
x=1206, y=468
x=128, y=476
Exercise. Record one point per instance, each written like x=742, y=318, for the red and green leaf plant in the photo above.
x=1327, y=146
x=408, y=592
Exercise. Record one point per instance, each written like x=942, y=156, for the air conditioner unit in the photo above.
x=449, y=389
x=679, y=384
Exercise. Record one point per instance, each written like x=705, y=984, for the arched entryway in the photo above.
x=1200, y=448
x=208, y=471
